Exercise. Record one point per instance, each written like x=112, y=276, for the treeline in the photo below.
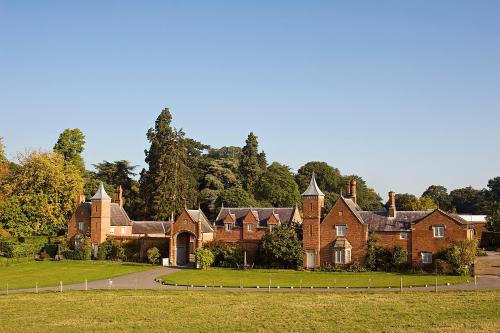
x=38, y=192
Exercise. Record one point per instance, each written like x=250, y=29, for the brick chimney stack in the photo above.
x=392, y=204
x=353, y=190
x=348, y=189
x=119, y=196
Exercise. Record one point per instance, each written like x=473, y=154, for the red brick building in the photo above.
x=340, y=236
x=246, y=226
x=103, y=217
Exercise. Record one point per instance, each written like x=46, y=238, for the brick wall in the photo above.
x=423, y=239
x=357, y=233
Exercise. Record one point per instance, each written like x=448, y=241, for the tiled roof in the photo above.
x=150, y=227
x=101, y=194
x=379, y=221
x=284, y=215
x=341, y=243
x=353, y=207
x=118, y=215
x=198, y=215
x=313, y=189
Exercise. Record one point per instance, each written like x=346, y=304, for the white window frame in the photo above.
x=112, y=231
x=228, y=226
x=425, y=257
x=339, y=228
x=403, y=235
x=122, y=230
x=81, y=226
x=436, y=233
x=250, y=227
x=341, y=256
x=271, y=227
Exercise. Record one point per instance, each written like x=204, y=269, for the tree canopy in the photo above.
x=40, y=195
x=168, y=185
x=70, y=145
x=277, y=187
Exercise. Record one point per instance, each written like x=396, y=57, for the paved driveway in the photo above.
x=488, y=265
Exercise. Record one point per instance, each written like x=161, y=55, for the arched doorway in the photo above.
x=184, y=248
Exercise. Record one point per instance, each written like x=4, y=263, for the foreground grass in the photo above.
x=290, y=278
x=136, y=311
x=49, y=273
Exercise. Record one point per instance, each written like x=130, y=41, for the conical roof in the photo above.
x=313, y=189
x=101, y=194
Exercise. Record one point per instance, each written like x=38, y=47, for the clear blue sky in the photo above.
x=403, y=93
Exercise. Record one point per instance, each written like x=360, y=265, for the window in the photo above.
x=341, y=230
x=342, y=256
x=426, y=257
x=271, y=227
x=123, y=230
x=403, y=235
x=249, y=227
x=228, y=226
x=438, y=231
x=112, y=231
x=81, y=226
x=341, y=213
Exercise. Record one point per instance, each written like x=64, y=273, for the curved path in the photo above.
x=487, y=269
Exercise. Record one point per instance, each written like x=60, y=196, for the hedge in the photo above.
x=490, y=241
x=12, y=248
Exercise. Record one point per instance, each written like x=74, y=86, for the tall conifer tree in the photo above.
x=168, y=185
x=250, y=168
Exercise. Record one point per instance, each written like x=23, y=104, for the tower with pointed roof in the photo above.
x=100, y=216
x=313, y=201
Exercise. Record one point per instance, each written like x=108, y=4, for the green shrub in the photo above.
x=460, y=255
x=204, y=257
x=153, y=255
x=281, y=249
x=110, y=249
x=227, y=255
x=13, y=248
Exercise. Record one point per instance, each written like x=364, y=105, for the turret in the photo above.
x=100, y=215
x=313, y=201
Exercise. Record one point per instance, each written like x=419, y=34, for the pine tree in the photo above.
x=168, y=185
x=250, y=168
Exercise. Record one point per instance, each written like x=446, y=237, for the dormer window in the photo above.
x=228, y=226
x=250, y=227
x=271, y=227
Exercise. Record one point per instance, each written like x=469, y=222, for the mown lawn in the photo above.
x=289, y=278
x=169, y=311
x=49, y=273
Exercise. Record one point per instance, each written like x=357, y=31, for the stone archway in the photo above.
x=185, y=242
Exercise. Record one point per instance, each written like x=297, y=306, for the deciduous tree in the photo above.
x=42, y=192
x=277, y=187
x=71, y=145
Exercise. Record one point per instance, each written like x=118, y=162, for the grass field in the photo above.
x=49, y=273
x=155, y=311
x=290, y=278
